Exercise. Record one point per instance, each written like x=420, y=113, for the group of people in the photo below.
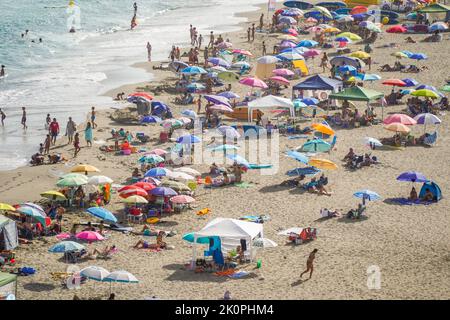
x=353, y=161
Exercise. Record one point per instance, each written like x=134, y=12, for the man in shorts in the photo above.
x=54, y=130
x=310, y=264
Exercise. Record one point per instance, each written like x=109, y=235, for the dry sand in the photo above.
x=410, y=244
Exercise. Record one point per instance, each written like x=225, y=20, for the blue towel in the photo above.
x=404, y=201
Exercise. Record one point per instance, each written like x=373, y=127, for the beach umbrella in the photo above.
x=177, y=66
x=264, y=243
x=65, y=246
x=287, y=44
x=425, y=93
x=216, y=99
x=84, y=168
x=290, y=56
x=350, y=35
x=219, y=62
x=151, y=158
x=310, y=101
x=438, y=26
x=298, y=156
x=225, y=45
x=311, y=20
x=308, y=171
x=358, y=10
x=102, y=213
x=134, y=97
x=217, y=69
x=189, y=113
x=407, y=53
x=397, y=127
x=315, y=29
x=33, y=213
x=367, y=195
x=291, y=31
x=360, y=55
x=184, y=120
x=243, y=52
x=287, y=37
x=163, y=192
x=372, y=141
x=307, y=43
x=324, y=11
x=229, y=95
x=322, y=164
x=427, y=118
x=283, y=72
x=229, y=132
x=228, y=76
x=188, y=171
x=280, y=80
x=239, y=160
x=94, y=273
x=345, y=18
x=132, y=191
x=316, y=145
x=89, y=236
x=151, y=119
x=332, y=30
x=35, y=207
x=409, y=82
x=135, y=199
x=299, y=104
x=322, y=128
x=342, y=39
x=347, y=68
x=396, y=29
x=190, y=238
x=311, y=53
x=177, y=175
x=175, y=185
x=147, y=186
x=220, y=108
x=157, y=172
x=428, y=87
x=445, y=88
x=193, y=70
x=287, y=20
x=189, y=139
x=6, y=207
x=182, y=199
x=366, y=24
x=224, y=147
x=253, y=82
x=99, y=180
x=418, y=56
x=400, y=118
x=412, y=176
x=197, y=87
x=267, y=60
x=121, y=276
x=368, y=77
x=53, y=195
x=240, y=65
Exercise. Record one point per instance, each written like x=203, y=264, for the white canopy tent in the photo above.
x=230, y=232
x=268, y=102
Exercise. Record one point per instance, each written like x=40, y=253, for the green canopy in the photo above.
x=357, y=94
x=435, y=8
x=7, y=278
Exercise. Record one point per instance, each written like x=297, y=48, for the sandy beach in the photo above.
x=409, y=244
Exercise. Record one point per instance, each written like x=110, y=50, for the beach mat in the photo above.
x=406, y=202
x=244, y=185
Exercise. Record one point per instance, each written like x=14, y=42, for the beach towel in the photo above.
x=238, y=275
x=407, y=202
x=244, y=185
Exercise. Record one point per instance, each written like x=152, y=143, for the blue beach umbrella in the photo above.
x=189, y=113
x=310, y=101
x=418, y=56
x=412, y=176
x=239, y=160
x=151, y=158
x=66, y=246
x=194, y=70
x=224, y=147
x=299, y=104
x=298, y=156
x=190, y=238
x=163, y=192
x=102, y=214
x=347, y=68
x=408, y=53
x=410, y=82
x=367, y=195
x=229, y=95
x=316, y=145
x=368, y=77
x=188, y=139
x=194, y=87
x=156, y=172
x=307, y=43
x=151, y=119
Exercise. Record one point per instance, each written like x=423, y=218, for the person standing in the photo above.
x=249, y=31
x=324, y=62
x=54, y=130
x=71, y=128
x=261, y=21
x=2, y=71
x=199, y=104
x=253, y=31
x=3, y=116
x=135, y=8
x=149, y=51
x=172, y=54
x=263, y=48
x=194, y=37
x=310, y=263
x=200, y=40
x=48, y=120
x=191, y=32
x=76, y=144
x=206, y=55
x=88, y=134
x=93, y=113
x=211, y=39
x=24, y=118
x=47, y=143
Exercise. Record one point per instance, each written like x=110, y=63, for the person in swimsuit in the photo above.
x=24, y=118
x=142, y=244
x=93, y=114
x=310, y=263
x=2, y=71
x=76, y=144
x=133, y=22
x=3, y=116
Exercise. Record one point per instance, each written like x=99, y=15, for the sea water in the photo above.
x=67, y=73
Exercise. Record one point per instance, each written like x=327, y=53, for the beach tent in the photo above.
x=264, y=70
x=357, y=94
x=319, y=82
x=8, y=234
x=230, y=232
x=270, y=101
x=8, y=285
x=433, y=187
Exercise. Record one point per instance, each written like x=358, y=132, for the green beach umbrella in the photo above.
x=228, y=76
x=72, y=182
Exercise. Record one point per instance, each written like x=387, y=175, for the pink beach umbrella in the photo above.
x=243, y=52
x=315, y=29
x=182, y=199
x=221, y=108
x=159, y=152
x=400, y=118
x=253, y=82
x=90, y=236
x=292, y=32
x=280, y=80
x=283, y=72
x=311, y=53
x=63, y=236
x=225, y=45
x=311, y=20
x=288, y=44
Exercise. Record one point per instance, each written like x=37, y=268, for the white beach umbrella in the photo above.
x=99, y=180
x=121, y=276
x=188, y=170
x=267, y=60
x=95, y=273
x=373, y=141
x=296, y=230
x=177, y=175
x=264, y=243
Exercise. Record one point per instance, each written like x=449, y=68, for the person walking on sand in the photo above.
x=206, y=55
x=48, y=120
x=310, y=263
x=47, y=143
x=324, y=61
x=261, y=21
x=211, y=39
x=76, y=144
x=200, y=40
x=253, y=31
x=94, y=125
x=88, y=134
x=3, y=116
x=24, y=118
x=54, y=130
x=71, y=128
x=149, y=51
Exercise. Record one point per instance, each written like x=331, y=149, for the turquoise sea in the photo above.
x=67, y=73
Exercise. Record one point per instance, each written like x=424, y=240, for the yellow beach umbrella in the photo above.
x=332, y=30
x=425, y=93
x=397, y=127
x=323, y=164
x=350, y=35
x=135, y=199
x=360, y=55
x=322, y=10
x=84, y=168
x=53, y=195
x=323, y=128
x=6, y=207
x=287, y=37
x=399, y=55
